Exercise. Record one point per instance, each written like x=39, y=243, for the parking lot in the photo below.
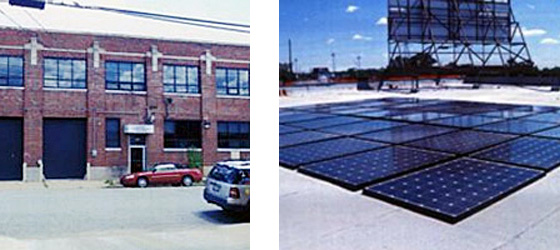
x=93, y=217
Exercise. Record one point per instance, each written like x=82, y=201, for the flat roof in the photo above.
x=91, y=21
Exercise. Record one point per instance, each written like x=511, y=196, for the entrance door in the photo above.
x=136, y=159
x=137, y=153
x=11, y=149
x=64, y=148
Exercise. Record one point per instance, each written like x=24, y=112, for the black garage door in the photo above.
x=64, y=148
x=11, y=147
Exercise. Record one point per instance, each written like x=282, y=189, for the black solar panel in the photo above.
x=454, y=190
x=461, y=142
x=406, y=133
x=362, y=127
x=539, y=153
x=327, y=122
x=284, y=129
x=466, y=121
x=302, y=117
x=303, y=137
x=293, y=157
x=356, y=171
x=519, y=126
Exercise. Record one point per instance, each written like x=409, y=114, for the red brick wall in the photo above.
x=33, y=103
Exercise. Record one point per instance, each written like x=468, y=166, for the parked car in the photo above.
x=227, y=186
x=163, y=174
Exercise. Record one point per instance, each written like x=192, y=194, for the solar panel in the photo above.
x=362, y=127
x=519, y=126
x=353, y=110
x=539, y=153
x=356, y=171
x=507, y=114
x=546, y=117
x=303, y=137
x=380, y=113
x=423, y=116
x=461, y=142
x=312, y=152
x=405, y=133
x=284, y=129
x=302, y=117
x=327, y=122
x=466, y=121
x=454, y=190
x=552, y=133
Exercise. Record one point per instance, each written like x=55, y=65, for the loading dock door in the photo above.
x=64, y=148
x=11, y=147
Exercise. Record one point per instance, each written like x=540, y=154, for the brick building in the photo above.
x=91, y=94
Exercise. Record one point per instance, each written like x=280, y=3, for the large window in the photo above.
x=233, y=135
x=64, y=73
x=112, y=133
x=181, y=79
x=11, y=71
x=232, y=81
x=126, y=76
x=182, y=134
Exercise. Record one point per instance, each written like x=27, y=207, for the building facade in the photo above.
x=98, y=106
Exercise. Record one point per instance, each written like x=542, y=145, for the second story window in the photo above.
x=232, y=82
x=64, y=73
x=11, y=71
x=181, y=79
x=126, y=76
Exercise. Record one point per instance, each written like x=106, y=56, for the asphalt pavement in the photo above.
x=116, y=218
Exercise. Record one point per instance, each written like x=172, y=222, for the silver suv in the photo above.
x=227, y=186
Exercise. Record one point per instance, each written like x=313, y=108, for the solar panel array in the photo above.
x=445, y=159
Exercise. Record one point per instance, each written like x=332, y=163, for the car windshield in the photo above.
x=230, y=175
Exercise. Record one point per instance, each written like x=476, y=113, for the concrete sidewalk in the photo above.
x=53, y=184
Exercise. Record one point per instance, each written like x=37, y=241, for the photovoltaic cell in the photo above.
x=406, y=133
x=327, y=122
x=461, y=142
x=552, y=133
x=284, y=129
x=454, y=190
x=546, y=117
x=356, y=171
x=539, y=153
x=303, y=137
x=362, y=127
x=519, y=126
x=422, y=116
x=507, y=114
x=302, y=117
x=312, y=152
x=466, y=121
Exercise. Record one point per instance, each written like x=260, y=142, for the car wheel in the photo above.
x=142, y=182
x=187, y=181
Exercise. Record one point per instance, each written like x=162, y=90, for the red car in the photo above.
x=163, y=174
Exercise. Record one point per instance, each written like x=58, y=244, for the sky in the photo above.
x=223, y=10
x=350, y=29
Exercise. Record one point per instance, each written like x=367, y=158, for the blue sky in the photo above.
x=353, y=28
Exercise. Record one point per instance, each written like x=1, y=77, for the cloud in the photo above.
x=530, y=6
x=330, y=41
x=351, y=8
x=382, y=21
x=360, y=37
x=550, y=41
x=533, y=32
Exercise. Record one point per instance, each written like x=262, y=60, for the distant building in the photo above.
x=322, y=74
x=100, y=94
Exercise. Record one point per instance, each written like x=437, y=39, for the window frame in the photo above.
x=227, y=90
x=197, y=141
x=187, y=84
x=58, y=79
x=225, y=138
x=118, y=132
x=119, y=83
x=8, y=77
